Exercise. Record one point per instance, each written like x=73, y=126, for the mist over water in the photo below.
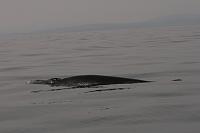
x=159, y=54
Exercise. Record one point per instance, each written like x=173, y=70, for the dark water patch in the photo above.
x=92, y=91
x=54, y=89
x=34, y=54
x=66, y=88
x=177, y=80
x=179, y=41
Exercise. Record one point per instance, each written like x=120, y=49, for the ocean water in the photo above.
x=160, y=54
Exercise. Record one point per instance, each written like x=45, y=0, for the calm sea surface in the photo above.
x=159, y=54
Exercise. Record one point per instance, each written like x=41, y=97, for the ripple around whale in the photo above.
x=84, y=81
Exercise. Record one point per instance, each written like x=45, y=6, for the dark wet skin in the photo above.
x=87, y=81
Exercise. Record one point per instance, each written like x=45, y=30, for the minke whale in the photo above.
x=83, y=81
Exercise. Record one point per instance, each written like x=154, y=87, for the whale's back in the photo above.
x=87, y=81
x=100, y=80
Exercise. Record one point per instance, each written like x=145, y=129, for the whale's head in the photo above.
x=51, y=82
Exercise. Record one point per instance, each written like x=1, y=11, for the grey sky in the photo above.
x=25, y=15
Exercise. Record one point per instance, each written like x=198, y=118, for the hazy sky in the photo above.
x=25, y=15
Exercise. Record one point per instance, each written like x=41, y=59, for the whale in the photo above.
x=82, y=81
